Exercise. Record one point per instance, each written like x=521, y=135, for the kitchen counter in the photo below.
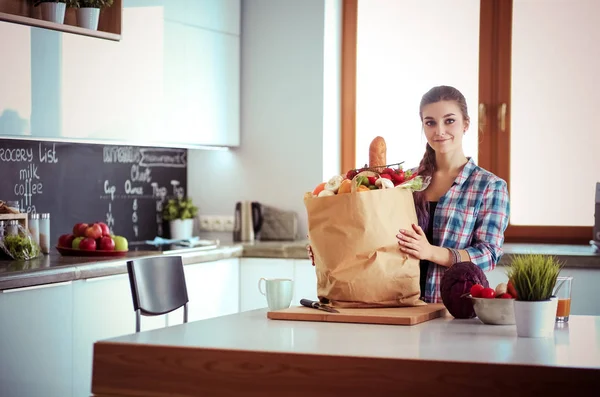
x=54, y=267
x=580, y=256
x=248, y=354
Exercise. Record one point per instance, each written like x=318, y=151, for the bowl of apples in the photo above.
x=494, y=306
x=92, y=239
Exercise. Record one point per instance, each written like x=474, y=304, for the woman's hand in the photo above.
x=414, y=242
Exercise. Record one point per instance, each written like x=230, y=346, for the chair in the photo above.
x=157, y=286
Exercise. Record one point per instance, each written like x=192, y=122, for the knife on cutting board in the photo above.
x=317, y=305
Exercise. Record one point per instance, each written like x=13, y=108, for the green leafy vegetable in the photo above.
x=20, y=247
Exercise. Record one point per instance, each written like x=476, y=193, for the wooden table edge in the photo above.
x=123, y=369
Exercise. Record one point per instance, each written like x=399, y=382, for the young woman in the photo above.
x=464, y=211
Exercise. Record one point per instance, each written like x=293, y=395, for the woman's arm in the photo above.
x=445, y=256
x=488, y=234
x=492, y=221
x=414, y=242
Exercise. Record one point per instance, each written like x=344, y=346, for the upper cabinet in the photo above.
x=202, y=85
x=172, y=80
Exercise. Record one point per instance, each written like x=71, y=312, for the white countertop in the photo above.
x=577, y=344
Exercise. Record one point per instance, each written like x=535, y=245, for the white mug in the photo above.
x=279, y=292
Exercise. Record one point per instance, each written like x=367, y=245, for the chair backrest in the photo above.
x=157, y=284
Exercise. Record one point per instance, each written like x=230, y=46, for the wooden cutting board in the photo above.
x=386, y=315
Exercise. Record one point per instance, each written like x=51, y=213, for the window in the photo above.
x=526, y=68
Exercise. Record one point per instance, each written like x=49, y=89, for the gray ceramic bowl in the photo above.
x=495, y=311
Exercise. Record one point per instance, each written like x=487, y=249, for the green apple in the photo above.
x=76, y=241
x=121, y=243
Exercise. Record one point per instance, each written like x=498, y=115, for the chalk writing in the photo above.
x=18, y=155
x=110, y=190
x=119, y=154
x=130, y=183
x=48, y=155
x=163, y=158
x=110, y=219
x=178, y=191
x=140, y=174
x=30, y=183
x=130, y=189
x=134, y=217
x=160, y=193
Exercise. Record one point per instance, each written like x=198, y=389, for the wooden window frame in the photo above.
x=494, y=91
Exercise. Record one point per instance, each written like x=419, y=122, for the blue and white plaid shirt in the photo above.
x=471, y=216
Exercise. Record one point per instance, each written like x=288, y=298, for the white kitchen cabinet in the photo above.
x=251, y=270
x=218, y=15
x=102, y=309
x=305, y=281
x=172, y=80
x=213, y=290
x=201, y=86
x=36, y=331
x=130, y=89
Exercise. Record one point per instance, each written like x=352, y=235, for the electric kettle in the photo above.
x=248, y=221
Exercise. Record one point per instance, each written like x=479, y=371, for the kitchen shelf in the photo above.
x=21, y=12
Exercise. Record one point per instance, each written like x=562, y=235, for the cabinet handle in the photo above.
x=502, y=117
x=482, y=117
x=8, y=291
x=103, y=278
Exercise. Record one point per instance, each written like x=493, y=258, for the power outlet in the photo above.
x=216, y=223
x=228, y=223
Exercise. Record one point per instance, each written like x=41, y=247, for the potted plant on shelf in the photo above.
x=534, y=278
x=180, y=213
x=88, y=12
x=54, y=10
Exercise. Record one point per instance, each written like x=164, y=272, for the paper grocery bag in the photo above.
x=357, y=258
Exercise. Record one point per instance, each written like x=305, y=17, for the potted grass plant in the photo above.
x=88, y=12
x=180, y=213
x=534, y=279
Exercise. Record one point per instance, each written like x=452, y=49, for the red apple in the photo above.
x=104, y=227
x=79, y=229
x=106, y=244
x=94, y=231
x=87, y=244
x=66, y=240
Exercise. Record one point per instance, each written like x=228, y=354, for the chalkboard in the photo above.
x=123, y=186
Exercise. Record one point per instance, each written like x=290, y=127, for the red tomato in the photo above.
x=488, y=293
x=505, y=296
x=476, y=290
x=510, y=288
x=398, y=177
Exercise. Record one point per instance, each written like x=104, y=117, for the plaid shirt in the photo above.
x=471, y=216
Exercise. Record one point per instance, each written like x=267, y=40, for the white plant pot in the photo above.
x=87, y=17
x=181, y=229
x=53, y=12
x=535, y=319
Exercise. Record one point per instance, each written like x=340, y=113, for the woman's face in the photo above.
x=444, y=126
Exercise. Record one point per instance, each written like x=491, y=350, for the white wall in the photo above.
x=283, y=128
